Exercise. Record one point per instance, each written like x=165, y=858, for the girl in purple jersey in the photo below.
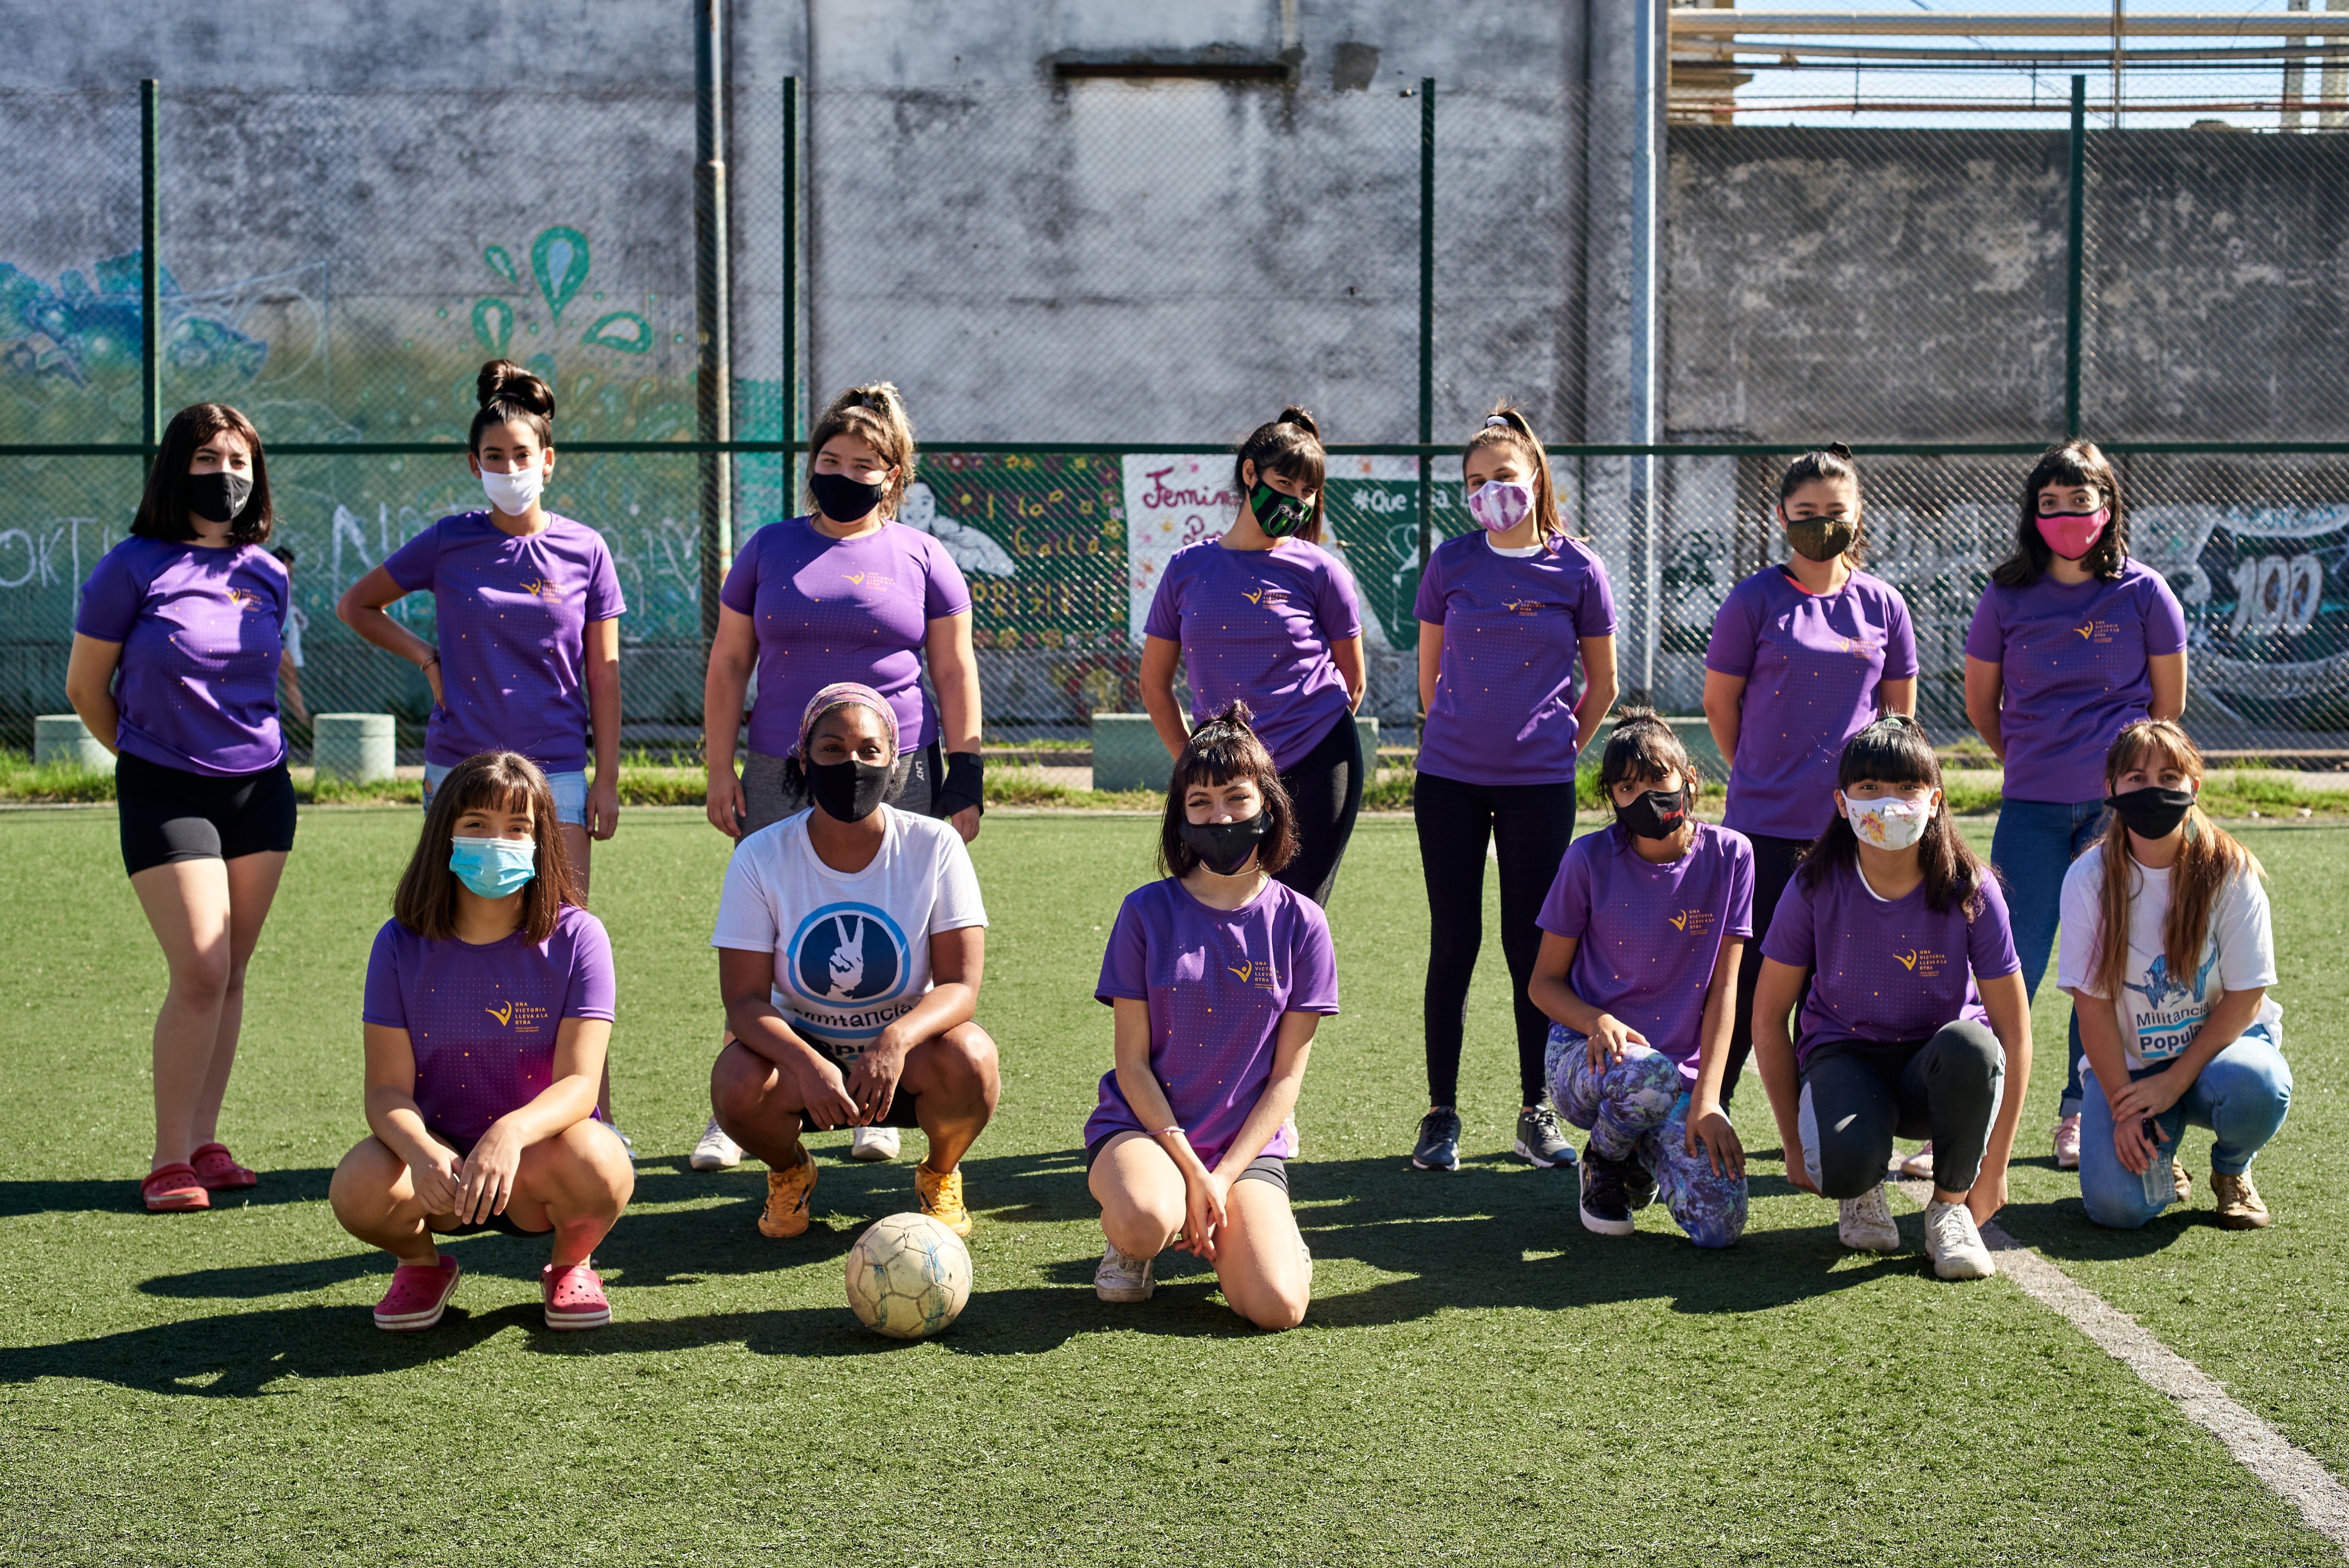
x=1219, y=974
x=1516, y=665
x=1267, y=616
x=1642, y=937
x=2071, y=640
x=188, y=611
x=845, y=594
x=1804, y=655
x=489, y=1006
x=1914, y=1018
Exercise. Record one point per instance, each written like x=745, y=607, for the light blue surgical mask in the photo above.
x=493, y=867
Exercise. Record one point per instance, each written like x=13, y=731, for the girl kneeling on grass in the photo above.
x=1219, y=975
x=1642, y=935
x=1916, y=1021
x=489, y=1006
x=2140, y=949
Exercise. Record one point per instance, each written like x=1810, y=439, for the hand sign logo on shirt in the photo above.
x=847, y=956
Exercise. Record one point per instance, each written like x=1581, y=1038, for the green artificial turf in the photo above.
x=1479, y=1379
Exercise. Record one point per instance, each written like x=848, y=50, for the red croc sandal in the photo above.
x=217, y=1169
x=174, y=1187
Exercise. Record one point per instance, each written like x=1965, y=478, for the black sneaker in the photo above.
x=1539, y=1142
x=1638, y=1185
x=1606, y=1205
x=1439, y=1140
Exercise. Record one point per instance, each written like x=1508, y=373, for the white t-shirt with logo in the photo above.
x=851, y=949
x=2161, y=1013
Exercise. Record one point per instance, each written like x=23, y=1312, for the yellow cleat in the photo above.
x=787, y=1192
x=941, y=1198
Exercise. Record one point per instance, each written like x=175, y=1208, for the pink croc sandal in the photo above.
x=419, y=1293
x=574, y=1297
x=173, y=1188
x=217, y=1169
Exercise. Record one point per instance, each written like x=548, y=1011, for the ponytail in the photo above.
x=875, y=416
x=1506, y=426
x=1290, y=445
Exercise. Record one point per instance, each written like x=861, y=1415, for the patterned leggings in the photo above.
x=1637, y=1109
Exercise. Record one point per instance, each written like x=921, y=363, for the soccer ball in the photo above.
x=908, y=1277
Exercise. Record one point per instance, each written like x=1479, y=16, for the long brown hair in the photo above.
x=427, y=901
x=2207, y=860
x=1223, y=750
x=2074, y=463
x=1290, y=445
x=1895, y=750
x=875, y=414
x=163, y=509
x=1515, y=432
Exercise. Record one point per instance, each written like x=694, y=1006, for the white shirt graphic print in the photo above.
x=2161, y=1013
x=851, y=949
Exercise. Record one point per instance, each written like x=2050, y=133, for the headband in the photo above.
x=839, y=695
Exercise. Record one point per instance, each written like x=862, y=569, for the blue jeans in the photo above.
x=570, y=791
x=2033, y=845
x=2241, y=1095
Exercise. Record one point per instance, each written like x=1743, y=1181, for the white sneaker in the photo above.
x=1955, y=1244
x=2067, y=1143
x=1867, y=1222
x=716, y=1152
x=1122, y=1278
x=872, y=1143
x=626, y=1142
x=1918, y=1167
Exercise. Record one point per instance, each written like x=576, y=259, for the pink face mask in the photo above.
x=1500, y=504
x=2072, y=534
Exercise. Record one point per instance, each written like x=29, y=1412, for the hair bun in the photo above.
x=1301, y=418
x=1633, y=714
x=1837, y=449
x=504, y=381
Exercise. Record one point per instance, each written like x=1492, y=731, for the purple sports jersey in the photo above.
x=482, y=1020
x=1886, y=970
x=1218, y=982
x=1512, y=666
x=512, y=617
x=1650, y=935
x=200, y=634
x=1811, y=663
x=2072, y=661
x=1257, y=624
x=828, y=610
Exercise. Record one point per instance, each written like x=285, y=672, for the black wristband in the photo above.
x=965, y=784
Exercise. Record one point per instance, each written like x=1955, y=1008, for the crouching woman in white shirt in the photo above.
x=2168, y=956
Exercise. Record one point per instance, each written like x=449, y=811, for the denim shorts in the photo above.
x=570, y=792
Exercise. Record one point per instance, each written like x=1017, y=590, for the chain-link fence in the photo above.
x=1086, y=287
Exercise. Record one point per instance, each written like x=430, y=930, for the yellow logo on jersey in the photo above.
x=503, y=1015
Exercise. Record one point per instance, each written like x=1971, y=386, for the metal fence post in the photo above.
x=713, y=403
x=1425, y=463
x=151, y=267
x=2075, y=256
x=792, y=388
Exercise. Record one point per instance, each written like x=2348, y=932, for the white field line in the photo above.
x=2282, y=1467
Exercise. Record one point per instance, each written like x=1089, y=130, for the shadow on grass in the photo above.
x=2062, y=1231
x=1468, y=1242
x=19, y=1199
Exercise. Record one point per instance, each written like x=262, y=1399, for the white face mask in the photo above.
x=1890, y=823
x=1499, y=505
x=513, y=493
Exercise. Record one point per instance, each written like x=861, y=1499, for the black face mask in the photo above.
x=844, y=499
x=218, y=497
x=848, y=791
x=1819, y=537
x=1225, y=847
x=2151, y=813
x=1656, y=814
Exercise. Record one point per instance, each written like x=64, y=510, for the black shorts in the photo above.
x=170, y=814
x=898, y=1113
x=501, y=1223
x=1269, y=1168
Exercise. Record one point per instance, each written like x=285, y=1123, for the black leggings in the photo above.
x=1774, y=868
x=1325, y=787
x=1531, y=824
x=1858, y=1094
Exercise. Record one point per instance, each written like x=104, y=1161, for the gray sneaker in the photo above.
x=1122, y=1278
x=1865, y=1222
x=1439, y=1140
x=1539, y=1142
x=1955, y=1244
